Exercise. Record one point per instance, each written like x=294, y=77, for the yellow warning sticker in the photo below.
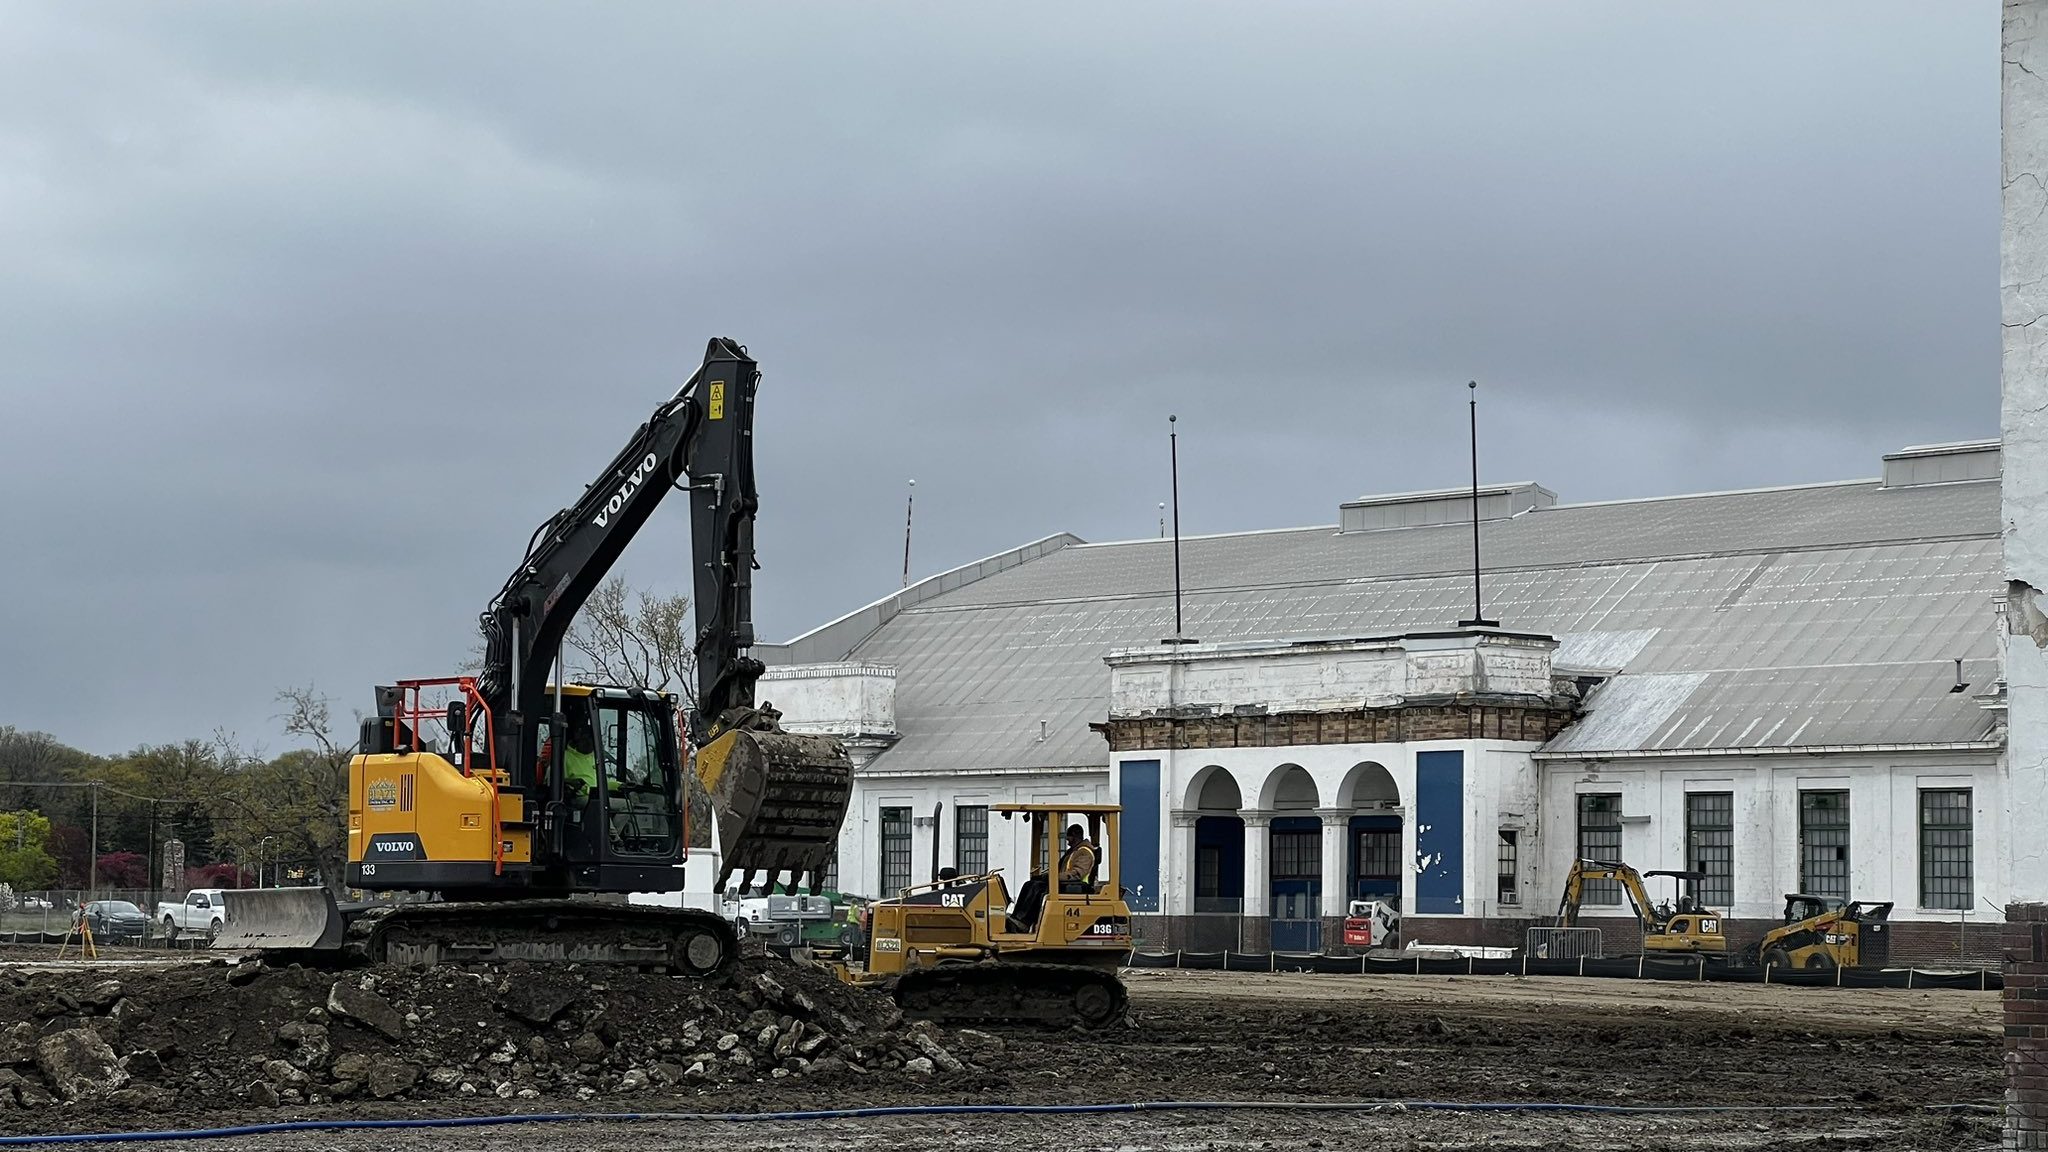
x=718, y=399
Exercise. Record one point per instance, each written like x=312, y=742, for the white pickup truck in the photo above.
x=200, y=914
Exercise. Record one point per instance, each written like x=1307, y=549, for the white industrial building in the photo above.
x=1790, y=689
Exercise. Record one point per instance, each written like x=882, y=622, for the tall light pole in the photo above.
x=262, y=853
x=909, y=505
x=1173, y=455
x=1478, y=619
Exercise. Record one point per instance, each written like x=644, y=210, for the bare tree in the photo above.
x=299, y=799
x=632, y=637
x=626, y=636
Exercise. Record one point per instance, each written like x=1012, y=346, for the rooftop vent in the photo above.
x=1443, y=506
x=1942, y=464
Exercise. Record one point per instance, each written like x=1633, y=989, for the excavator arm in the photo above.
x=1631, y=883
x=778, y=799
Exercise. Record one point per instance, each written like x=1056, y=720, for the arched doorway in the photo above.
x=1374, y=855
x=1294, y=860
x=1218, y=860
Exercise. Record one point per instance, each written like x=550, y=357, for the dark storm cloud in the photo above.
x=309, y=313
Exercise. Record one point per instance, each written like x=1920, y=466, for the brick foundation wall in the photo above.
x=2026, y=1026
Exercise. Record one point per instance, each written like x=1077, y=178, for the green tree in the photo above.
x=25, y=862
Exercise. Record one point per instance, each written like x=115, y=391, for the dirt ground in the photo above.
x=1877, y=1068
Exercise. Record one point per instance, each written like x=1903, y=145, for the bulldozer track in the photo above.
x=1058, y=995
x=683, y=941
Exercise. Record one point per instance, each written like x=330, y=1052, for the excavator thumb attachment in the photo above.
x=280, y=920
x=779, y=800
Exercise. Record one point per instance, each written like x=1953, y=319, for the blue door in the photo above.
x=1297, y=884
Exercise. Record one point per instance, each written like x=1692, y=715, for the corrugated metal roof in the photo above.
x=1821, y=615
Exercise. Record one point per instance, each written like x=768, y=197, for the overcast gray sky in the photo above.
x=309, y=313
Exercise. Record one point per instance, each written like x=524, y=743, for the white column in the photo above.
x=1179, y=897
x=1258, y=883
x=1336, y=859
x=2023, y=293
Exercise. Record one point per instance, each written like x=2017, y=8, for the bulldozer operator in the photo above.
x=1077, y=870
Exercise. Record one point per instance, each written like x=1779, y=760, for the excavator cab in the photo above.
x=624, y=796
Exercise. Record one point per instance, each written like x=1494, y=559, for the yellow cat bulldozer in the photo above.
x=1826, y=932
x=962, y=950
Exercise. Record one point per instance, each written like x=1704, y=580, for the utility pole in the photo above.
x=92, y=850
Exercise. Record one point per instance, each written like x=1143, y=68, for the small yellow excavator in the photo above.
x=1826, y=932
x=1680, y=926
x=511, y=798
x=959, y=950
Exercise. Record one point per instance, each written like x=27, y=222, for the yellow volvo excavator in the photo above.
x=538, y=793
x=961, y=950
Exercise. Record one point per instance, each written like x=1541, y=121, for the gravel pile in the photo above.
x=244, y=1036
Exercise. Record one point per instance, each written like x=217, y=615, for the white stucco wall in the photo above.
x=2023, y=292
x=1884, y=799
x=843, y=699
x=1326, y=676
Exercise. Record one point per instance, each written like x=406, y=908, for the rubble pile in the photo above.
x=241, y=1035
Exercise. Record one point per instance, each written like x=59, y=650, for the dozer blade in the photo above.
x=779, y=800
x=280, y=920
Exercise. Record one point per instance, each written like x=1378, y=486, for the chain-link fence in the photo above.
x=118, y=917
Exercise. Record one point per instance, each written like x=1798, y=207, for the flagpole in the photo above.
x=1478, y=619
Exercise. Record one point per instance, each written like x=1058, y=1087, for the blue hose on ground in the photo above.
x=925, y=1110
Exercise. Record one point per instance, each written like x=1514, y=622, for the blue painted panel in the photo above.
x=1138, y=792
x=1440, y=832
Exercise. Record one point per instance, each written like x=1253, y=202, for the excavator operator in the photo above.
x=579, y=759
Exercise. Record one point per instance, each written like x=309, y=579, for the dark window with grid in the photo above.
x=1379, y=855
x=1600, y=839
x=1297, y=855
x=1510, y=853
x=895, y=850
x=1824, y=843
x=970, y=840
x=1945, y=825
x=1208, y=871
x=1710, y=845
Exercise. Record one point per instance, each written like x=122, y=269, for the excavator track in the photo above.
x=683, y=941
x=995, y=992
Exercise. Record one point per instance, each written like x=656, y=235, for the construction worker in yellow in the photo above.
x=579, y=760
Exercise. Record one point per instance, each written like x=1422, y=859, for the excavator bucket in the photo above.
x=280, y=920
x=779, y=800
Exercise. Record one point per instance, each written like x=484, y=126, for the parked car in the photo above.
x=116, y=922
x=36, y=903
x=199, y=914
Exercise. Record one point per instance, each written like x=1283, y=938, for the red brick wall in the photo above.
x=2026, y=1026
